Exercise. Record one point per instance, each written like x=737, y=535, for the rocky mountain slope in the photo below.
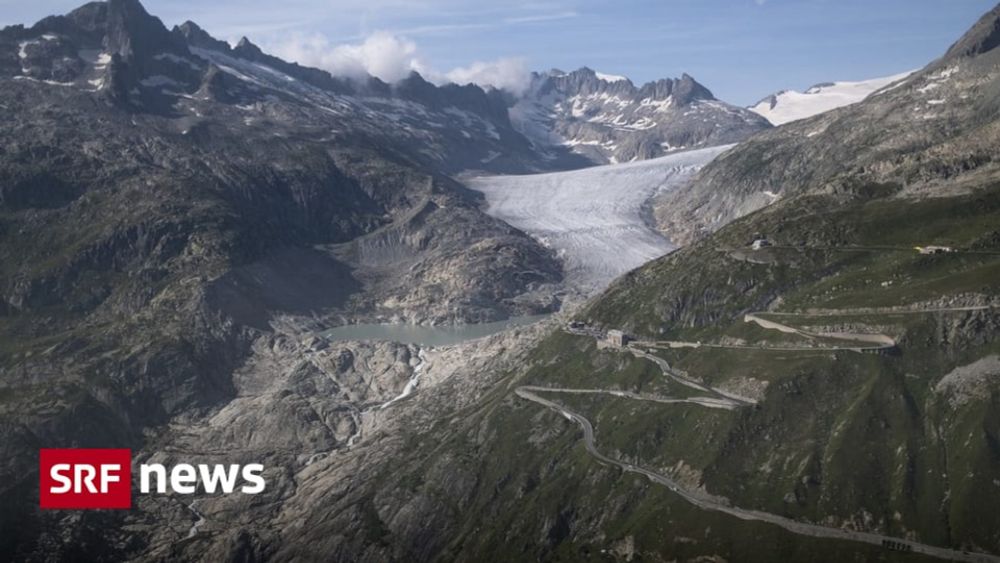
x=790, y=105
x=171, y=73
x=608, y=119
x=936, y=132
x=117, y=124
x=164, y=198
x=898, y=444
x=164, y=252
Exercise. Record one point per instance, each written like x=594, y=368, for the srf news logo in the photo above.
x=102, y=478
x=81, y=478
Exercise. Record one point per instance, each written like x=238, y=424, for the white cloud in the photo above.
x=392, y=57
x=508, y=73
x=535, y=18
x=381, y=54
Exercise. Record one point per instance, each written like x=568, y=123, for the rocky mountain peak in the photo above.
x=817, y=87
x=688, y=89
x=586, y=80
x=134, y=35
x=769, y=101
x=606, y=118
x=683, y=90
x=198, y=37
x=90, y=17
x=468, y=97
x=983, y=37
x=247, y=49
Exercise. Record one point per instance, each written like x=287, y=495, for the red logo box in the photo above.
x=85, y=478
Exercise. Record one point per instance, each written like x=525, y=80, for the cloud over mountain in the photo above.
x=392, y=57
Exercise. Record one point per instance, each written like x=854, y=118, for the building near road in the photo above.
x=894, y=545
x=618, y=338
x=760, y=243
x=934, y=249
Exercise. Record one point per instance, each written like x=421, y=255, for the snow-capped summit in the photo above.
x=790, y=105
x=605, y=118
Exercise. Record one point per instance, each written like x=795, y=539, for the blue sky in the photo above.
x=741, y=49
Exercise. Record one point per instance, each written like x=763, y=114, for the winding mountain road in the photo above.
x=722, y=400
x=860, y=342
x=708, y=503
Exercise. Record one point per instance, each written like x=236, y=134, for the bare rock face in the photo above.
x=318, y=415
x=974, y=382
x=179, y=215
x=166, y=197
x=983, y=37
x=606, y=119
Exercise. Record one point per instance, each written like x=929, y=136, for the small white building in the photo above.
x=760, y=243
x=934, y=249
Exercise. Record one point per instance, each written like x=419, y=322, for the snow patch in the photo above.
x=575, y=142
x=22, y=48
x=610, y=77
x=657, y=105
x=945, y=74
x=935, y=81
x=928, y=88
x=50, y=82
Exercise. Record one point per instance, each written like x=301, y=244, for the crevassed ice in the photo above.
x=593, y=217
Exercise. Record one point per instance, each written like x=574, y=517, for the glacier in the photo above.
x=593, y=218
x=790, y=105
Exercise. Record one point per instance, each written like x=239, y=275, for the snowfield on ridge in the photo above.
x=593, y=218
x=790, y=105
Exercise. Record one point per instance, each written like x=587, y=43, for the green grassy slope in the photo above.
x=868, y=441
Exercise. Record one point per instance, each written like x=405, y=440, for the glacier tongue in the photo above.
x=593, y=217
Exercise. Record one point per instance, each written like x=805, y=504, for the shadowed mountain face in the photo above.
x=178, y=215
x=114, y=117
x=119, y=52
x=165, y=198
x=608, y=119
x=900, y=443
